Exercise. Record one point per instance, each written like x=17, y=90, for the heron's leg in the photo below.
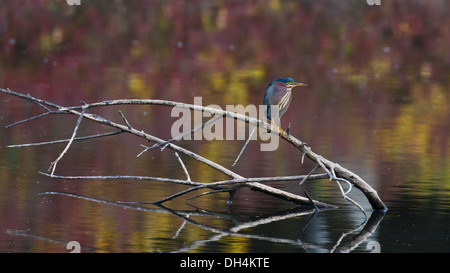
x=277, y=126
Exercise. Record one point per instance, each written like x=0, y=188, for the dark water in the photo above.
x=377, y=103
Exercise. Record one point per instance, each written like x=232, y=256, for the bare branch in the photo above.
x=183, y=166
x=65, y=140
x=54, y=163
x=32, y=118
x=308, y=175
x=124, y=177
x=126, y=121
x=243, y=148
x=311, y=200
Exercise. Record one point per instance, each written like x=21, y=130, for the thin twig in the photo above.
x=243, y=148
x=188, y=177
x=32, y=118
x=36, y=102
x=126, y=121
x=125, y=177
x=180, y=228
x=54, y=163
x=309, y=174
x=325, y=169
x=64, y=140
x=341, y=179
x=310, y=199
x=356, y=204
x=206, y=193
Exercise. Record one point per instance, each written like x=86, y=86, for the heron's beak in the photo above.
x=294, y=84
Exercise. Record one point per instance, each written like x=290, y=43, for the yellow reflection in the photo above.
x=48, y=41
x=138, y=86
x=212, y=150
x=237, y=90
x=380, y=66
x=106, y=235
x=437, y=98
x=425, y=70
x=275, y=5
x=136, y=51
x=217, y=80
x=222, y=18
x=239, y=245
x=404, y=28
x=416, y=134
x=231, y=80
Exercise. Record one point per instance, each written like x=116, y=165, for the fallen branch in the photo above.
x=333, y=170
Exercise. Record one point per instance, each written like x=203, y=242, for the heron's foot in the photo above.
x=280, y=131
x=276, y=128
x=288, y=129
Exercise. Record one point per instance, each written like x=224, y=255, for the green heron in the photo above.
x=279, y=93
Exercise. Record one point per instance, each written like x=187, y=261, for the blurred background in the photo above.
x=377, y=103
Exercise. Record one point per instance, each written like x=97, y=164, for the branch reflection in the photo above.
x=347, y=242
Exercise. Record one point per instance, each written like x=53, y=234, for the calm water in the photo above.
x=377, y=102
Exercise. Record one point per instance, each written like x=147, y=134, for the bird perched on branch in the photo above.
x=279, y=93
